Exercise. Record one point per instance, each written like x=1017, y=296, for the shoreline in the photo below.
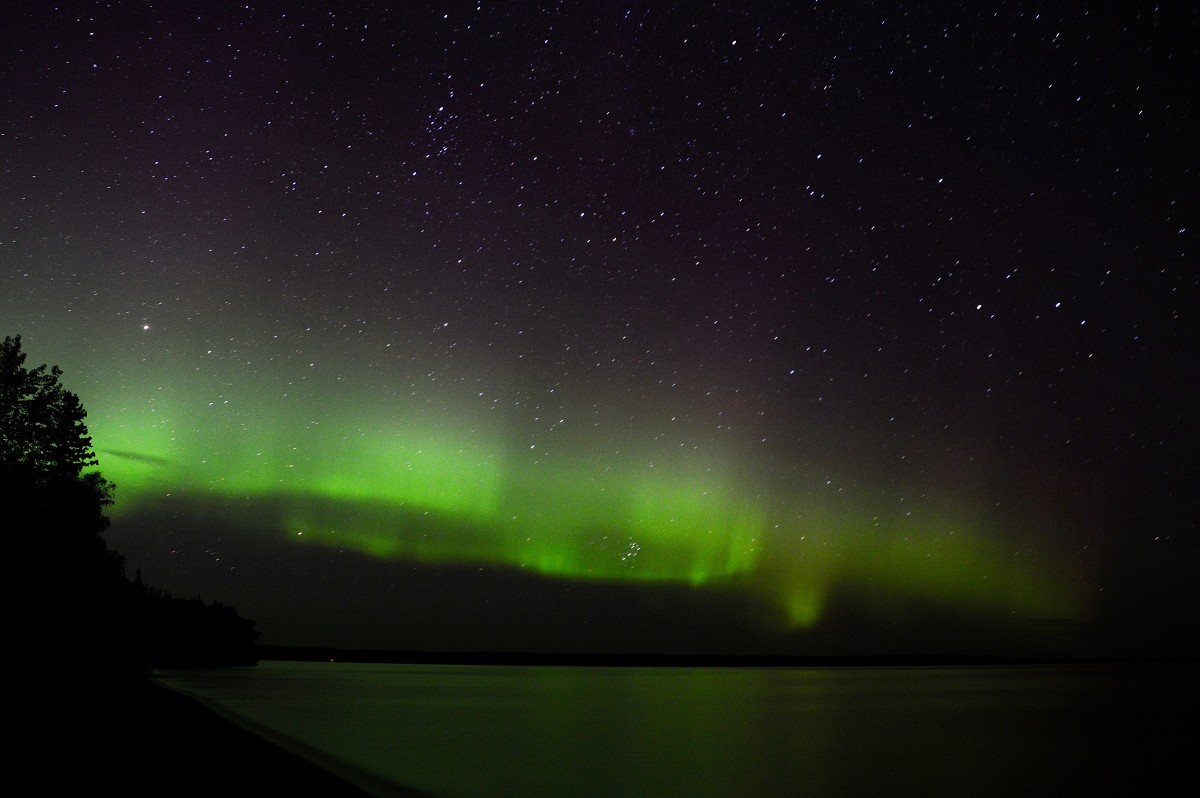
x=142, y=738
x=357, y=781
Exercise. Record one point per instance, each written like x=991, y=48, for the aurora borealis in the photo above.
x=831, y=320
x=438, y=495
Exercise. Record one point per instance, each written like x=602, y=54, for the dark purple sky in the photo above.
x=870, y=275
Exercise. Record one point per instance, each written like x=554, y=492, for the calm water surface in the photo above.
x=577, y=731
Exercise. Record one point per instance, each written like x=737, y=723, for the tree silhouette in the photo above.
x=41, y=422
x=80, y=603
x=44, y=449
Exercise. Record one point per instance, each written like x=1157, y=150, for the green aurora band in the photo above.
x=438, y=492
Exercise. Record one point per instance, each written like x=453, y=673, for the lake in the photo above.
x=469, y=730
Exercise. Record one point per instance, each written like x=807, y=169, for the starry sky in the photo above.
x=756, y=327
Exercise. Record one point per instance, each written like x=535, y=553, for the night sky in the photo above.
x=800, y=327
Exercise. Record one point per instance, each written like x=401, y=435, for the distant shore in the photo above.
x=560, y=659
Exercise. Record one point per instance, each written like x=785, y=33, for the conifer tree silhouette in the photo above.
x=80, y=602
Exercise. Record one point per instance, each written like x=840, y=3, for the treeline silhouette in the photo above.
x=73, y=605
x=191, y=632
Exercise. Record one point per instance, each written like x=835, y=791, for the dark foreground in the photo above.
x=142, y=739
